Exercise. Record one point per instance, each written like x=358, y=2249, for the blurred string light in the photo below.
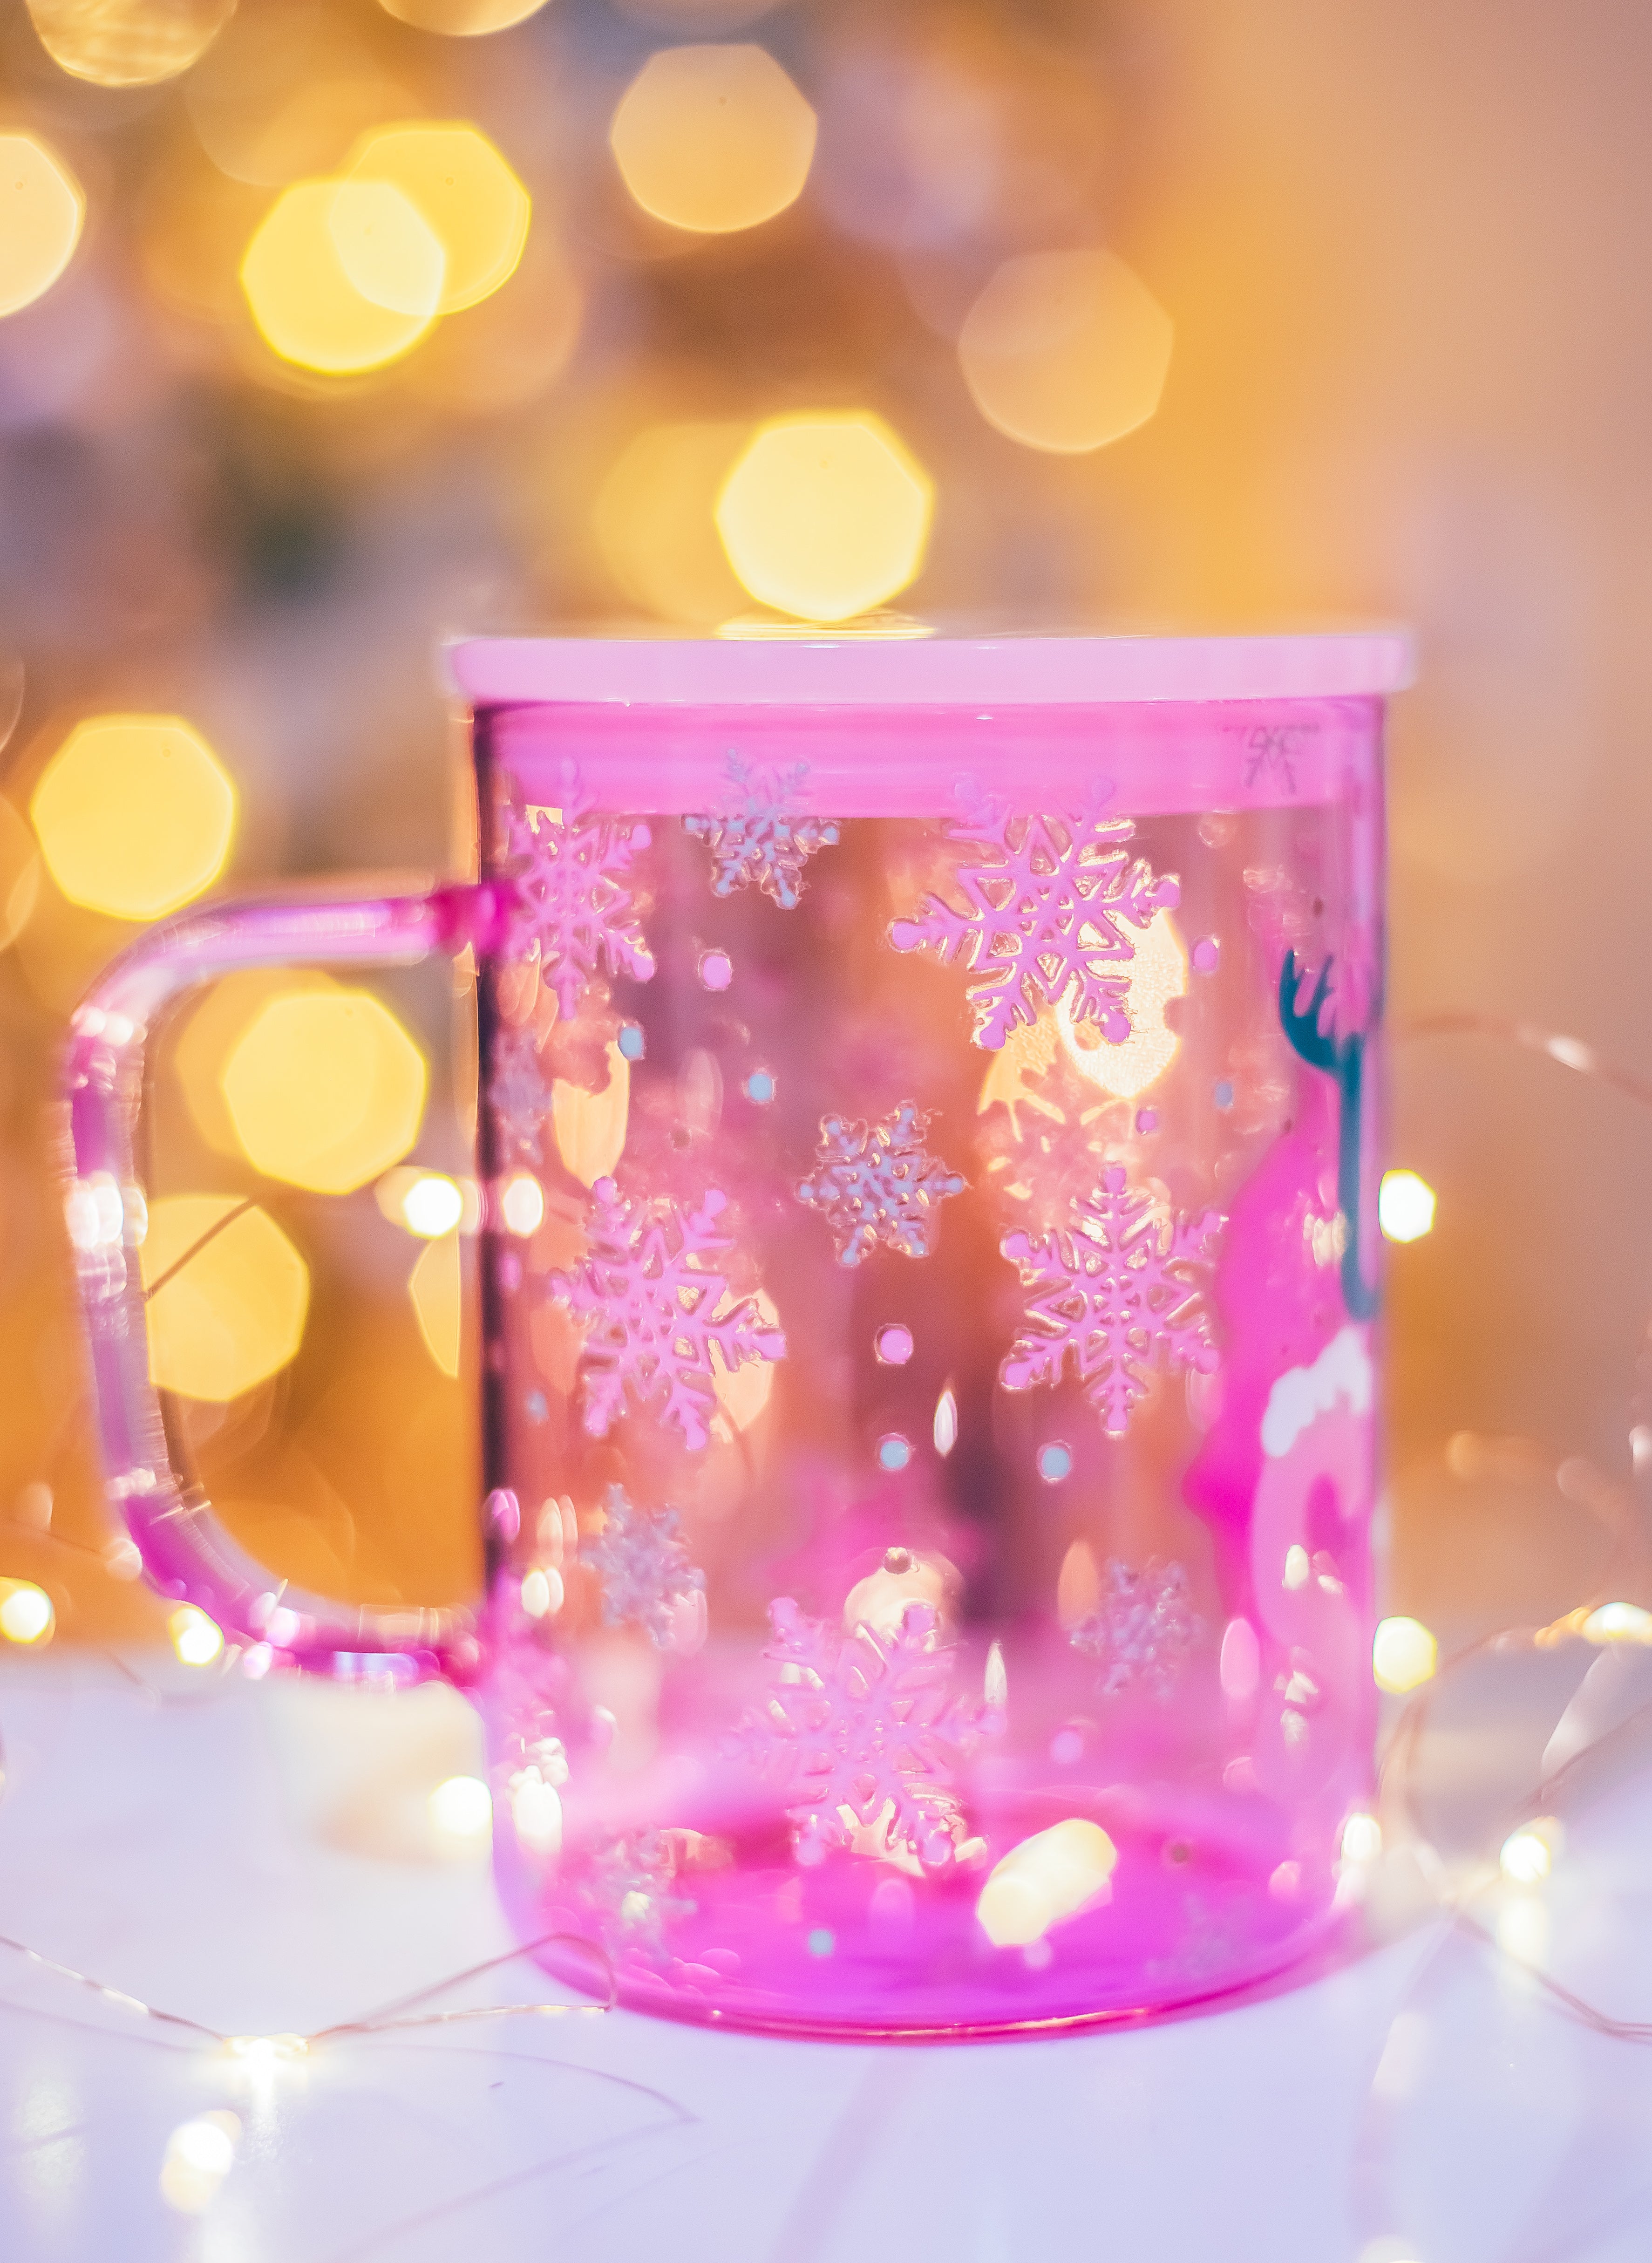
x=26, y=1615
x=1065, y=350
x=135, y=815
x=301, y=275
x=432, y=1206
x=436, y=1289
x=462, y=20
x=458, y=184
x=1405, y=1206
x=129, y=42
x=655, y=524
x=228, y=1295
x=713, y=139
x=41, y=210
x=826, y=516
x=200, y=2155
x=1403, y=1655
x=326, y=1089
x=196, y=1639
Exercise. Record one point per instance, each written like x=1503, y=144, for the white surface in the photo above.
x=821, y=668
x=208, y=1856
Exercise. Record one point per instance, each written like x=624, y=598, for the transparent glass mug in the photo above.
x=929, y=1275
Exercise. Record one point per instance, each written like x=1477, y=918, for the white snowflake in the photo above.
x=859, y=1732
x=517, y=1091
x=643, y=1566
x=655, y=1307
x=763, y=834
x=1045, y=900
x=1117, y=1288
x=1142, y=1628
x=875, y=1184
x=571, y=901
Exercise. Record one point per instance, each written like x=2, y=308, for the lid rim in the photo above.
x=1029, y=670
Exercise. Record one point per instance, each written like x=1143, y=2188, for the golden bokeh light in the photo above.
x=234, y=1310
x=326, y=1089
x=213, y=1030
x=1158, y=973
x=655, y=520
x=19, y=874
x=436, y=1287
x=1050, y=1876
x=135, y=815
x=590, y=1126
x=462, y=20
x=41, y=209
x=826, y=516
x=512, y=346
x=129, y=42
x=386, y=248
x=302, y=293
x=287, y=91
x=459, y=184
x=713, y=139
x=1065, y=350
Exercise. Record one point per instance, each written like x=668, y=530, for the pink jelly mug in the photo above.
x=929, y=1277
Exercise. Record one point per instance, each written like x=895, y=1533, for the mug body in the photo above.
x=928, y=1103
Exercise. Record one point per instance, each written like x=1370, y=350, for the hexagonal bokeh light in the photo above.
x=713, y=139
x=1066, y=350
x=305, y=266
x=460, y=185
x=826, y=516
x=232, y=1299
x=135, y=815
x=129, y=42
x=41, y=209
x=326, y=1089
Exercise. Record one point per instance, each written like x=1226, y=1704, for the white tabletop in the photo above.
x=257, y=1858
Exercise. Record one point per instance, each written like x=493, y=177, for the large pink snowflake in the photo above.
x=572, y=902
x=655, y=1307
x=1045, y=900
x=859, y=1731
x=1117, y=1289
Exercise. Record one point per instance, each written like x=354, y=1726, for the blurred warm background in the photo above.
x=329, y=328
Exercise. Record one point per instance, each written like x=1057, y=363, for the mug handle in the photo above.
x=186, y=1552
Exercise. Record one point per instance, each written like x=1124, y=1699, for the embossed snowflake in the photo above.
x=1046, y=901
x=517, y=1090
x=631, y=1881
x=1118, y=1289
x=655, y=1308
x=572, y=900
x=643, y=1566
x=860, y=1732
x=874, y=1182
x=762, y=834
x=1142, y=1628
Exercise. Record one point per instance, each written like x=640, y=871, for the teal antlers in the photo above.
x=1342, y=1058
